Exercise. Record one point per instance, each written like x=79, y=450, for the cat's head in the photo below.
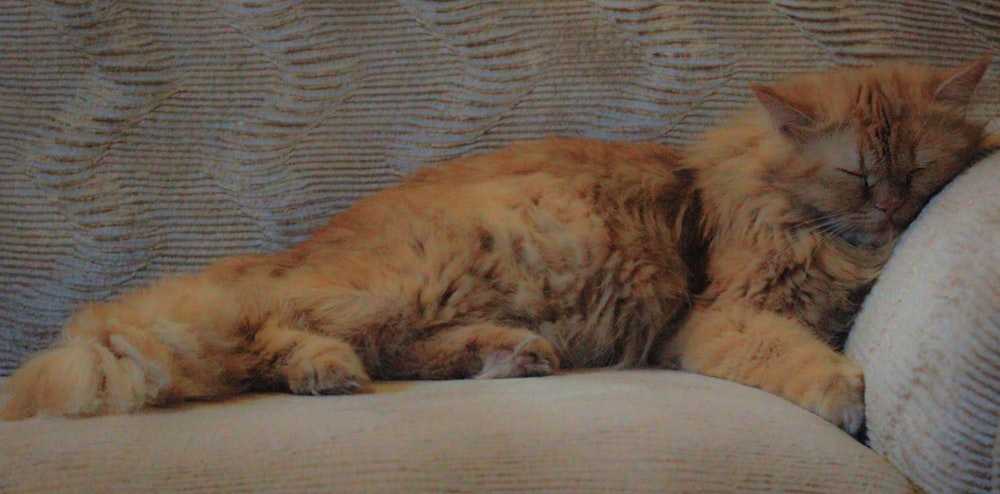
x=871, y=146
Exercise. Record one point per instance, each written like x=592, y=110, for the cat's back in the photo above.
x=620, y=161
x=550, y=204
x=593, y=176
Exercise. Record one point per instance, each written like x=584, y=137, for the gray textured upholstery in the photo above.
x=144, y=137
x=617, y=432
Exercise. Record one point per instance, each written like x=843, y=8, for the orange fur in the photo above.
x=743, y=257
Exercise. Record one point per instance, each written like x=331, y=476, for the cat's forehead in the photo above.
x=886, y=90
x=873, y=107
x=890, y=92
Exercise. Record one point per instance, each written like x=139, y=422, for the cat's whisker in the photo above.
x=825, y=227
x=832, y=217
x=821, y=224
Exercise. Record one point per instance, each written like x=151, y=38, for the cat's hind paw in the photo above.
x=479, y=351
x=309, y=363
x=326, y=371
x=532, y=357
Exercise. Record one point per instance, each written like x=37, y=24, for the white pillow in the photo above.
x=928, y=338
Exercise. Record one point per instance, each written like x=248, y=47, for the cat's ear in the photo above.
x=960, y=83
x=790, y=119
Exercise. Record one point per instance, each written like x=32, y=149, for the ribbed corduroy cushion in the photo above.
x=621, y=432
x=929, y=341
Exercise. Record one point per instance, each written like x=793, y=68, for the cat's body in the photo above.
x=744, y=257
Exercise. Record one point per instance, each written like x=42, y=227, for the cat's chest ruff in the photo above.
x=813, y=279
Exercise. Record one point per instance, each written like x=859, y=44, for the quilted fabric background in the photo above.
x=146, y=137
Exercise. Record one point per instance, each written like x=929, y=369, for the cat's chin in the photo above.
x=872, y=240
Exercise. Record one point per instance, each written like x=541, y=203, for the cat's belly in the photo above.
x=557, y=267
x=553, y=268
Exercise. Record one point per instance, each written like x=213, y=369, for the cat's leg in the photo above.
x=180, y=338
x=775, y=353
x=481, y=351
x=172, y=341
x=309, y=363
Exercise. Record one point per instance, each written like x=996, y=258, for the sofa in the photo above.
x=145, y=137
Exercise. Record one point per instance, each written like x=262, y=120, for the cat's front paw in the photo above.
x=838, y=395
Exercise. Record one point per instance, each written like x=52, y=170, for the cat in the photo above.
x=742, y=256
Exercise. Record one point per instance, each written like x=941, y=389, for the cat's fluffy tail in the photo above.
x=172, y=341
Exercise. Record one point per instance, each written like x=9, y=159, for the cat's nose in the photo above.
x=888, y=205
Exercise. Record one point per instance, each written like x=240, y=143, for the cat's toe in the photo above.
x=842, y=400
x=329, y=382
x=532, y=357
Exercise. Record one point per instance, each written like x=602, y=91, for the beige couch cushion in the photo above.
x=929, y=341
x=606, y=431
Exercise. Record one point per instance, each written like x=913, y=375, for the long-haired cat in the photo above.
x=743, y=256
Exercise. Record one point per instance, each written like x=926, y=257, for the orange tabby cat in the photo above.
x=743, y=257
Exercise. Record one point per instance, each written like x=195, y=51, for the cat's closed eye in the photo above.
x=868, y=180
x=852, y=173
